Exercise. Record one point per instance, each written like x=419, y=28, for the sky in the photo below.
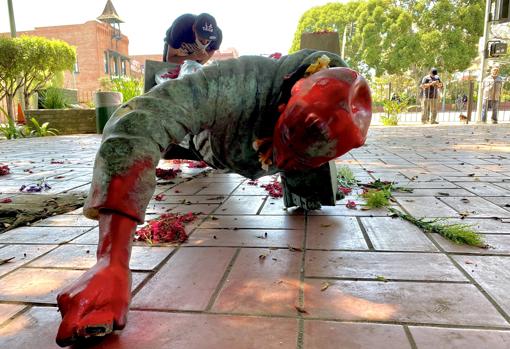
x=252, y=27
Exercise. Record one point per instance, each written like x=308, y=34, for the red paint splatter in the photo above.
x=5, y=201
x=196, y=164
x=350, y=204
x=59, y=177
x=56, y=162
x=276, y=55
x=252, y=182
x=4, y=170
x=167, y=228
x=274, y=189
x=167, y=173
x=28, y=170
x=172, y=74
x=159, y=197
x=345, y=190
x=177, y=191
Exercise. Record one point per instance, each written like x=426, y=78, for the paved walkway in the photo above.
x=353, y=279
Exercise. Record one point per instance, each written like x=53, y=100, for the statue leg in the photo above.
x=97, y=303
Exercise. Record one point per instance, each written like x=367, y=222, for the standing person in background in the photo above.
x=430, y=86
x=492, y=86
x=193, y=38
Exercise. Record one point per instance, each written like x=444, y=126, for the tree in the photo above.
x=43, y=60
x=394, y=37
x=28, y=63
x=10, y=72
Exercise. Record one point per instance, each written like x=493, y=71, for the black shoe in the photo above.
x=494, y=121
x=434, y=123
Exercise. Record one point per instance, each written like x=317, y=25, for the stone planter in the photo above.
x=66, y=121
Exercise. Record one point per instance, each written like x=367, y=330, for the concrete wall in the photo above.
x=66, y=121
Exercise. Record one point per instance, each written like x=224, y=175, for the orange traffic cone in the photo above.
x=21, y=115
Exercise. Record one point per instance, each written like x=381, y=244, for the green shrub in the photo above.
x=12, y=131
x=42, y=130
x=391, y=120
x=128, y=86
x=54, y=98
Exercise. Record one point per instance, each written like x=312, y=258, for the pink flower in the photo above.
x=345, y=190
x=350, y=204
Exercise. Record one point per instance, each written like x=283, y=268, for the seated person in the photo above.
x=193, y=38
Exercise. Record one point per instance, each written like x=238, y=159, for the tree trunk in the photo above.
x=10, y=107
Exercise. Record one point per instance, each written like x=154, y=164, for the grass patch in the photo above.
x=457, y=233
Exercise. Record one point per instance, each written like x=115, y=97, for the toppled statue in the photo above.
x=255, y=116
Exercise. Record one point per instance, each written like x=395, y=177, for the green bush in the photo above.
x=128, y=86
x=54, y=98
x=42, y=130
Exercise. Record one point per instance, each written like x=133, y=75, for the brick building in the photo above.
x=101, y=50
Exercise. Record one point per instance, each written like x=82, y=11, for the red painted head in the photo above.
x=327, y=115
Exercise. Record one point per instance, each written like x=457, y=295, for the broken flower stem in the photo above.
x=457, y=233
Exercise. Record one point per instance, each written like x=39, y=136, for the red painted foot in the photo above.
x=97, y=303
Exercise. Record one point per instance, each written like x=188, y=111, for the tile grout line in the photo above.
x=365, y=234
x=410, y=337
x=301, y=293
x=221, y=283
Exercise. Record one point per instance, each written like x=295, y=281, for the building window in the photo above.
x=116, y=66
x=123, y=67
x=76, y=66
x=105, y=60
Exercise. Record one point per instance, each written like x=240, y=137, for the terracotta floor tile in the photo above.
x=84, y=257
x=426, y=206
x=7, y=311
x=41, y=235
x=176, y=331
x=221, y=188
x=370, y=265
x=246, y=237
x=187, y=331
x=499, y=244
x=66, y=220
x=335, y=335
x=261, y=285
x=477, y=207
x=434, y=303
x=22, y=254
x=394, y=234
x=187, y=281
x=333, y=232
x=36, y=328
x=35, y=285
x=241, y=205
x=195, y=208
x=492, y=273
x=255, y=222
x=450, y=338
x=484, y=189
x=276, y=207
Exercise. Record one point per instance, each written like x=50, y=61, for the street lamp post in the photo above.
x=11, y=18
x=479, y=101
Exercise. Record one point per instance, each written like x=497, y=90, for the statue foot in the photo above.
x=96, y=304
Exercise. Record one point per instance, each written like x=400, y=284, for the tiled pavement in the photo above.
x=353, y=279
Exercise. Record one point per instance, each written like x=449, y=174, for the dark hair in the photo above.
x=433, y=71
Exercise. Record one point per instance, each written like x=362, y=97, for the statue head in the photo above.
x=327, y=115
